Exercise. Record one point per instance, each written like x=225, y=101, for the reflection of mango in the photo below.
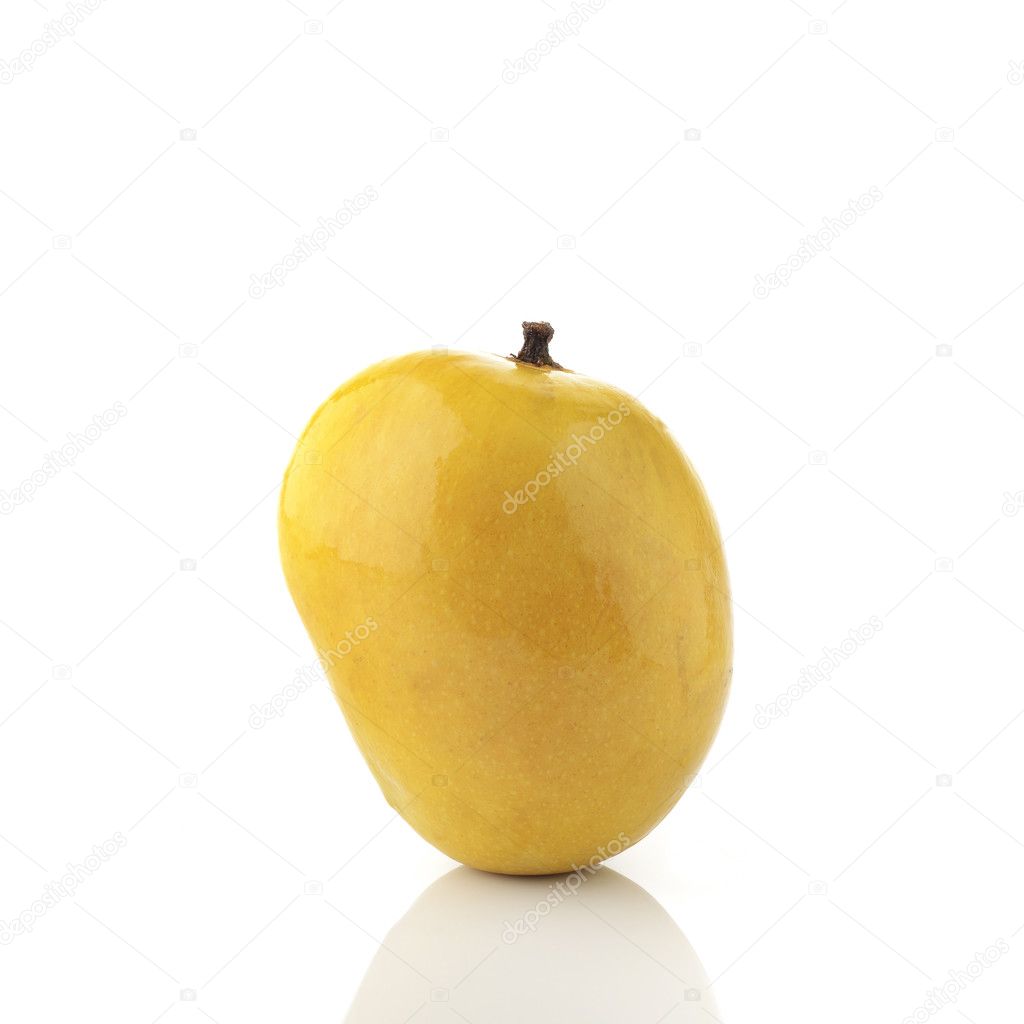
x=516, y=583
x=594, y=948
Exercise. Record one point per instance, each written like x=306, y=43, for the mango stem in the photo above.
x=536, y=338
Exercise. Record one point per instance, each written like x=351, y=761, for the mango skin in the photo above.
x=533, y=690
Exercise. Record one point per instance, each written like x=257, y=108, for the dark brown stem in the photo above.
x=536, y=338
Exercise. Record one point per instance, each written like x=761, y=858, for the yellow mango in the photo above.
x=515, y=583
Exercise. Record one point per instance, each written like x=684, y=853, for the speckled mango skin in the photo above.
x=532, y=685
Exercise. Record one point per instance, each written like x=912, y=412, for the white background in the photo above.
x=834, y=865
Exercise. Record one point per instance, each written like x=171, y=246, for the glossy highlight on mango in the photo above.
x=515, y=583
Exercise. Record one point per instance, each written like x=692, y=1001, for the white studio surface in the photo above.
x=637, y=175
